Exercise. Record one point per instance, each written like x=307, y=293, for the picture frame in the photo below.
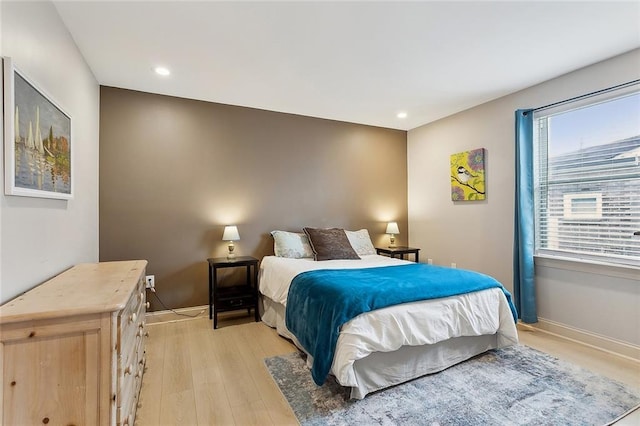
x=467, y=171
x=38, y=143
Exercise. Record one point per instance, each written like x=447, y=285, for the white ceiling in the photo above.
x=360, y=62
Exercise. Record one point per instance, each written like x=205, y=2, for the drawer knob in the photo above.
x=141, y=296
x=128, y=370
x=133, y=317
x=147, y=305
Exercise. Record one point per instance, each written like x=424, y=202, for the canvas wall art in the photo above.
x=37, y=140
x=467, y=175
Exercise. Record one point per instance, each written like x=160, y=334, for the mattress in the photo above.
x=388, y=330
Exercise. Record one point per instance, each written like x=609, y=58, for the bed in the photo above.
x=394, y=344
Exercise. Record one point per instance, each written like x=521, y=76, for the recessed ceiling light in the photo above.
x=402, y=115
x=162, y=71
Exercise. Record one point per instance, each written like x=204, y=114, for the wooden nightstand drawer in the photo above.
x=236, y=301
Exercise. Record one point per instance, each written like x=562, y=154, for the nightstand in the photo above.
x=400, y=251
x=232, y=298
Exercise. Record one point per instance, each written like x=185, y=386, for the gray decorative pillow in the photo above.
x=330, y=244
x=361, y=242
x=294, y=245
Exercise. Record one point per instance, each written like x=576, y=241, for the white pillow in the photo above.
x=294, y=245
x=361, y=242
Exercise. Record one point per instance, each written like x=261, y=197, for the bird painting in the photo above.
x=467, y=176
x=464, y=175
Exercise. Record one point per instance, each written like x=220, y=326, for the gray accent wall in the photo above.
x=39, y=238
x=174, y=171
x=479, y=235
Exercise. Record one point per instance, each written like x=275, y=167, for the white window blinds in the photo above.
x=587, y=180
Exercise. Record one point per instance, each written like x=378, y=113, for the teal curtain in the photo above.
x=524, y=290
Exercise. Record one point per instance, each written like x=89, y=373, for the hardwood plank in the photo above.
x=212, y=405
x=271, y=343
x=178, y=408
x=236, y=374
x=228, y=383
x=177, y=401
x=205, y=363
x=278, y=409
x=252, y=414
x=176, y=374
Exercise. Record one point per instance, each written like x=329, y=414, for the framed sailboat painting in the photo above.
x=37, y=140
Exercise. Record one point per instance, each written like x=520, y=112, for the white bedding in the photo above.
x=412, y=324
x=276, y=273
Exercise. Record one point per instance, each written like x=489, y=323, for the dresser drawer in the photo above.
x=130, y=317
x=130, y=354
x=130, y=391
x=131, y=324
x=129, y=368
x=132, y=381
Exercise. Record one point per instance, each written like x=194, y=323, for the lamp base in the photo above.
x=231, y=255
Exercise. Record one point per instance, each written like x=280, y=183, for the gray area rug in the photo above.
x=512, y=386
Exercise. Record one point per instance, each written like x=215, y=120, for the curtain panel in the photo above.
x=524, y=290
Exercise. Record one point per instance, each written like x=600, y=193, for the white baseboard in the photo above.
x=597, y=341
x=183, y=314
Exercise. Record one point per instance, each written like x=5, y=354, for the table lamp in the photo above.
x=230, y=234
x=392, y=230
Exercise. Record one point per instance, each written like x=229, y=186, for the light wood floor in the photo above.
x=198, y=376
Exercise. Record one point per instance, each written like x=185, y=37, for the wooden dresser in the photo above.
x=72, y=349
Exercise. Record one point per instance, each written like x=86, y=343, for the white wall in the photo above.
x=40, y=238
x=479, y=235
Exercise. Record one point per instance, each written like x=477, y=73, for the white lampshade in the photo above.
x=392, y=228
x=230, y=233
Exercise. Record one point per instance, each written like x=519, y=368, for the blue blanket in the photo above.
x=320, y=302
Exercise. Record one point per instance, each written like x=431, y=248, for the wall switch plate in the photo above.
x=151, y=281
x=453, y=265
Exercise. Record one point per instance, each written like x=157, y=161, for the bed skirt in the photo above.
x=380, y=370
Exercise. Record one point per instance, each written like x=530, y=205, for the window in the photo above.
x=582, y=206
x=587, y=179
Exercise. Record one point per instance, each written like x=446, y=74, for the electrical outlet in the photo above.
x=151, y=281
x=453, y=265
x=430, y=261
